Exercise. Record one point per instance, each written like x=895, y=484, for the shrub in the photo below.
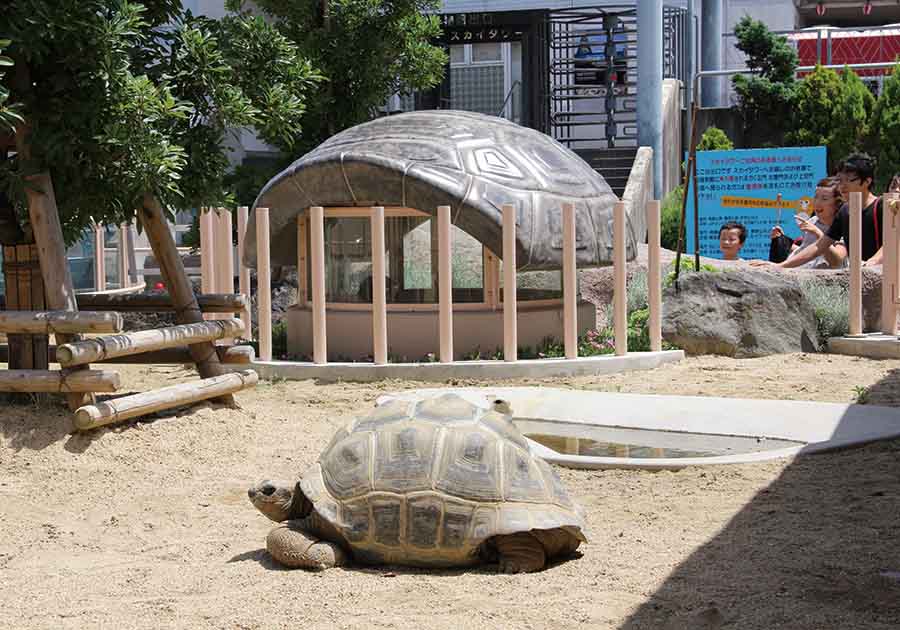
x=831, y=304
x=714, y=139
x=687, y=266
x=886, y=130
x=669, y=216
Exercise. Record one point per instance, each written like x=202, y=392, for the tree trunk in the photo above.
x=187, y=310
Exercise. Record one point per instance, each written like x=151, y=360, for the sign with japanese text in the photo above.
x=744, y=186
x=474, y=28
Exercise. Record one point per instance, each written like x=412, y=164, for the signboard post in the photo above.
x=753, y=187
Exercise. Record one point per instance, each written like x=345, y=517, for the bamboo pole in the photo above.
x=570, y=283
x=620, y=299
x=243, y=270
x=317, y=237
x=155, y=303
x=654, y=279
x=57, y=382
x=58, y=289
x=122, y=256
x=510, y=337
x=232, y=355
x=119, y=409
x=263, y=284
x=856, y=264
x=187, y=311
x=207, y=253
x=302, y=260
x=379, y=301
x=101, y=348
x=66, y=322
x=225, y=265
x=890, y=278
x=445, y=283
x=99, y=259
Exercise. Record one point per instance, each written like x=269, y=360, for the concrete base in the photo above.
x=813, y=427
x=438, y=372
x=871, y=345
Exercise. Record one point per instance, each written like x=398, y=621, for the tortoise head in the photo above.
x=279, y=500
x=502, y=407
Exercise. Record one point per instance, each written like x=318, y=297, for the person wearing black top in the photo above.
x=855, y=174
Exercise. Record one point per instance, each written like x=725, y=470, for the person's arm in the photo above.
x=819, y=248
x=835, y=254
x=875, y=259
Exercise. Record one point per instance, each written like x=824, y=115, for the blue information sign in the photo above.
x=743, y=185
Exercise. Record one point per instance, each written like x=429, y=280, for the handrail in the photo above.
x=508, y=94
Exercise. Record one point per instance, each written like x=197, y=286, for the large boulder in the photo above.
x=739, y=313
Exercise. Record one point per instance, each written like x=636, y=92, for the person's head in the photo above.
x=731, y=238
x=856, y=174
x=828, y=199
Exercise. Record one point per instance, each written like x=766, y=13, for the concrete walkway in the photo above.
x=871, y=345
x=814, y=427
x=441, y=372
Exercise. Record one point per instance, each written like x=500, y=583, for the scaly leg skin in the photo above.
x=520, y=553
x=292, y=545
x=557, y=543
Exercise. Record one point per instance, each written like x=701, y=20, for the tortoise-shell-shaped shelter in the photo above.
x=472, y=162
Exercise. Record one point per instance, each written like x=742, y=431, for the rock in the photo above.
x=739, y=313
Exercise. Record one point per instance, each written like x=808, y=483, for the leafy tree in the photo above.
x=766, y=97
x=714, y=139
x=831, y=110
x=886, y=129
x=9, y=116
x=366, y=49
x=120, y=99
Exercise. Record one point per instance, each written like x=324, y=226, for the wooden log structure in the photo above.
x=126, y=407
x=47, y=322
x=102, y=348
x=187, y=310
x=59, y=382
x=160, y=303
x=24, y=292
x=231, y=355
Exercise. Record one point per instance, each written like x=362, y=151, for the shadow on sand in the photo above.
x=819, y=548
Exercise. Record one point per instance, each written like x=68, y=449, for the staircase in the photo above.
x=614, y=164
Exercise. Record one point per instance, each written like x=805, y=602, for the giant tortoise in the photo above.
x=436, y=483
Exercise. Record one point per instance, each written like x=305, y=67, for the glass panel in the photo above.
x=458, y=54
x=80, y=257
x=348, y=266
x=477, y=88
x=535, y=285
x=486, y=52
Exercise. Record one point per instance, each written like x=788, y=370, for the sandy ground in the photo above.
x=148, y=525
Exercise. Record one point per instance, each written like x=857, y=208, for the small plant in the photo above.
x=861, y=394
x=831, y=305
x=687, y=266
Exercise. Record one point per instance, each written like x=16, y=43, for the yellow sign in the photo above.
x=803, y=203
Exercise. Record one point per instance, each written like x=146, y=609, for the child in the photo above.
x=731, y=239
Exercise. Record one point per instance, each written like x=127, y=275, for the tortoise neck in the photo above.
x=300, y=506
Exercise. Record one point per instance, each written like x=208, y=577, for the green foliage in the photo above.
x=885, y=127
x=367, y=50
x=714, y=139
x=861, y=394
x=122, y=99
x=831, y=110
x=669, y=218
x=765, y=97
x=9, y=112
x=687, y=266
x=830, y=304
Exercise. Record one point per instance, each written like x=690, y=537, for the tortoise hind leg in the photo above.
x=293, y=545
x=520, y=553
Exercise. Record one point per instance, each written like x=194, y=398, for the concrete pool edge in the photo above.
x=815, y=426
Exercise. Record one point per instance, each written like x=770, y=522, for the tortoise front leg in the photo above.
x=520, y=553
x=294, y=545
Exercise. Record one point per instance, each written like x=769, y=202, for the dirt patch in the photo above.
x=148, y=525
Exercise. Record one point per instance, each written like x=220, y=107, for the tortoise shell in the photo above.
x=473, y=163
x=426, y=483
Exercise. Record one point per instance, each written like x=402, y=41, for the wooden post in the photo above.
x=225, y=264
x=379, y=301
x=58, y=289
x=570, y=283
x=24, y=292
x=207, y=253
x=177, y=355
x=302, y=259
x=445, y=283
x=263, y=284
x=491, y=279
x=890, y=278
x=119, y=409
x=159, y=302
x=187, y=311
x=99, y=258
x=654, y=280
x=620, y=297
x=510, y=336
x=122, y=256
x=317, y=238
x=243, y=270
x=856, y=264
x=57, y=381
x=47, y=322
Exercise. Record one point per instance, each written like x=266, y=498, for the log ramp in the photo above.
x=158, y=345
